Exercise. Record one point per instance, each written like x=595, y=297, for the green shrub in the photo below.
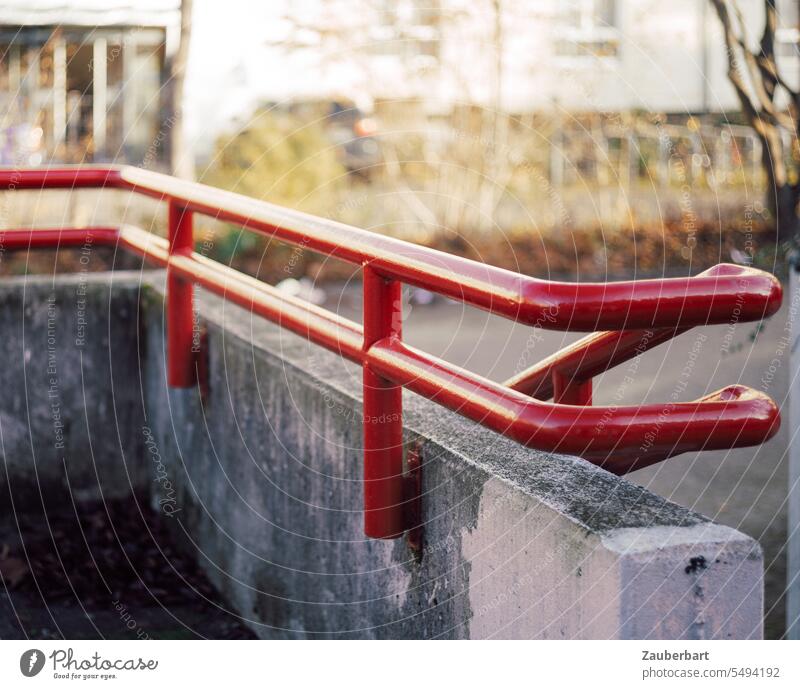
x=280, y=159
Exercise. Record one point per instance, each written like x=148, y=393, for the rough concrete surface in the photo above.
x=69, y=409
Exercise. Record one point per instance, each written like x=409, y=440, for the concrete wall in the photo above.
x=68, y=409
x=262, y=481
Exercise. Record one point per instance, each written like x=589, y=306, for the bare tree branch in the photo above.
x=766, y=60
x=731, y=45
x=758, y=90
x=181, y=158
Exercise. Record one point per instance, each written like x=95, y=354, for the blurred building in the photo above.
x=84, y=80
x=524, y=55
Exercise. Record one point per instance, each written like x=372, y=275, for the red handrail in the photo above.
x=640, y=315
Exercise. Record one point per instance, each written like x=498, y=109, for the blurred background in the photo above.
x=582, y=139
x=435, y=120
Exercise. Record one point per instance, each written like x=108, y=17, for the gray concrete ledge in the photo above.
x=262, y=481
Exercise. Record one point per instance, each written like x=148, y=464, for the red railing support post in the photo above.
x=180, y=303
x=383, y=414
x=566, y=390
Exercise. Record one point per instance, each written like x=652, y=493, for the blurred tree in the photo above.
x=181, y=158
x=770, y=105
x=448, y=171
x=278, y=159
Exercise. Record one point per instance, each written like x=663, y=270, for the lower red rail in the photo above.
x=638, y=315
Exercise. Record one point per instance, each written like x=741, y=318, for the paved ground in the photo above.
x=744, y=488
x=104, y=570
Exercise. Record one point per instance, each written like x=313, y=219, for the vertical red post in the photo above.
x=180, y=303
x=383, y=414
x=569, y=391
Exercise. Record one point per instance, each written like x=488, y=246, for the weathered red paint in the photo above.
x=638, y=314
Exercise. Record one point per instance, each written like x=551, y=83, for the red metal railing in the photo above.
x=638, y=314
